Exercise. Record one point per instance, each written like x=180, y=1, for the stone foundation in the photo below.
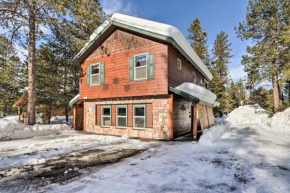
x=159, y=129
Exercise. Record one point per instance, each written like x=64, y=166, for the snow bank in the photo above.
x=280, y=122
x=212, y=134
x=255, y=115
x=248, y=114
x=10, y=128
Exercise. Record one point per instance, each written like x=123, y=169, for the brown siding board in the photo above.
x=113, y=115
x=99, y=114
x=177, y=76
x=130, y=115
x=149, y=115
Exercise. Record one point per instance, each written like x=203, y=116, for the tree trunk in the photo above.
x=31, y=67
x=66, y=114
x=275, y=92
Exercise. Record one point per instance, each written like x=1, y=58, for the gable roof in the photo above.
x=153, y=29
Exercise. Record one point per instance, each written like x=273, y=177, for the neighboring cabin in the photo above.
x=140, y=78
x=42, y=110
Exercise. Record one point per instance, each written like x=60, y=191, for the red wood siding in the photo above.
x=130, y=115
x=98, y=114
x=177, y=76
x=115, y=53
x=113, y=115
x=149, y=115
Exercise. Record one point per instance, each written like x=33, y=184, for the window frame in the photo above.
x=106, y=106
x=91, y=74
x=145, y=118
x=194, y=75
x=140, y=79
x=117, y=116
x=178, y=60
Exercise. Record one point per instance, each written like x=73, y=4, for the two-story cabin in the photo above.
x=142, y=79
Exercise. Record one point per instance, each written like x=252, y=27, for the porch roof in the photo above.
x=74, y=100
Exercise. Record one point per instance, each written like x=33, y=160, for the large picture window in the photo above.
x=121, y=112
x=106, y=116
x=95, y=74
x=139, y=116
x=140, y=67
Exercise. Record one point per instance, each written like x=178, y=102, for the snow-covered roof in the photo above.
x=198, y=92
x=74, y=100
x=156, y=29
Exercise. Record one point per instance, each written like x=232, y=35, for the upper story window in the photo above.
x=140, y=68
x=95, y=74
x=178, y=63
x=201, y=82
x=194, y=77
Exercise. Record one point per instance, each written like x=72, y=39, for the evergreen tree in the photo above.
x=23, y=19
x=221, y=59
x=264, y=25
x=10, y=72
x=198, y=41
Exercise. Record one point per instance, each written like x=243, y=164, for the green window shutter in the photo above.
x=102, y=73
x=131, y=69
x=151, y=66
x=88, y=75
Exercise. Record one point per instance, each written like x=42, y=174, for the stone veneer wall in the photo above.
x=159, y=130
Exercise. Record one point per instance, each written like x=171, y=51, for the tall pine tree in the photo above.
x=198, y=41
x=264, y=25
x=219, y=68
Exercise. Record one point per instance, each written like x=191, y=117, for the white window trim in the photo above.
x=106, y=116
x=141, y=66
x=95, y=74
x=180, y=64
x=139, y=116
x=194, y=74
x=117, y=116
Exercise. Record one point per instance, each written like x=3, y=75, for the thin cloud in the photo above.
x=118, y=6
x=238, y=73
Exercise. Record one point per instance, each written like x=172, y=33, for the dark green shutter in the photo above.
x=102, y=73
x=131, y=69
x=88, y=75
x=151, y=66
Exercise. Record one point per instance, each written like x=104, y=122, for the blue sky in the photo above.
x=215, y=16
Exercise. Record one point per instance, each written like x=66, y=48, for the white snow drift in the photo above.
x=10, y=128
x=255, y=115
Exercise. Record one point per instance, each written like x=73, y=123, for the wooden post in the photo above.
x=170, y=126
x=84, y=116
x=74, y=116
x=19, y=112
x=194, y=122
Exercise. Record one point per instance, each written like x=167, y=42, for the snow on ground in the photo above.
x=233, y=156
x=10, y=129
x=245, y=159
x=36, y=150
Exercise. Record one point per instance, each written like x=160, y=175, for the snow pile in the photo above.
x=212, y=134
x=11, y=129
x=197, y=91
x=248, y=114
x=280, y=122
